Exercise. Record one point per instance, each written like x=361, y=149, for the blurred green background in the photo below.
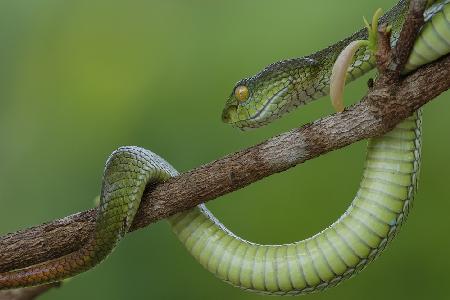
x=80, y=78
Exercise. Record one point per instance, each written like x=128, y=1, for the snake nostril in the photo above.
x=228, y=114
x=225, y=117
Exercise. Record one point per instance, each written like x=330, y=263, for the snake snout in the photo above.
x=229, y=114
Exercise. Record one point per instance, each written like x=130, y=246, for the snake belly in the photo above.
x=379, y=208
x=323, y=260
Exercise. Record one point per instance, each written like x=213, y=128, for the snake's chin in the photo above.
x=248, y=126
x=242, y=128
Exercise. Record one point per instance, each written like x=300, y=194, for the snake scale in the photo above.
x=378, y=210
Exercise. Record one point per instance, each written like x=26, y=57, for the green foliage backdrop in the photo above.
x=80, y=78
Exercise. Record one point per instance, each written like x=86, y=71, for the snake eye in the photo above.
x=241, y=93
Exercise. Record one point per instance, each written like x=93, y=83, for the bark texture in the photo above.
x=389, y=101
x=378, y=112
x=28, y=293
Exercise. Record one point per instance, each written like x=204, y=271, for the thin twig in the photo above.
x=411, y=28
x=391, y=61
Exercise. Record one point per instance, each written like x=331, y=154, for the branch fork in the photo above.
x=391, y=99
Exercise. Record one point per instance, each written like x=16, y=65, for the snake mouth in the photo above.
x=260, y=118
x=240, y=117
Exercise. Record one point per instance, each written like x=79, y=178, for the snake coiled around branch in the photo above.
x=377, y=212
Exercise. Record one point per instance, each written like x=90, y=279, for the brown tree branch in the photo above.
x=377, y=113
x=28, y=293
x=411, y=27
x=384, y=106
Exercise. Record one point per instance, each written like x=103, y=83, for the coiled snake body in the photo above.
x=377, y=212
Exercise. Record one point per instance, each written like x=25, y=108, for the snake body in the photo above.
x=374, y=217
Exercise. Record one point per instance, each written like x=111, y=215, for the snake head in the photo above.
x=276, y=90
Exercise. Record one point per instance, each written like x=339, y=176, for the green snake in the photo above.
x=377, y=212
